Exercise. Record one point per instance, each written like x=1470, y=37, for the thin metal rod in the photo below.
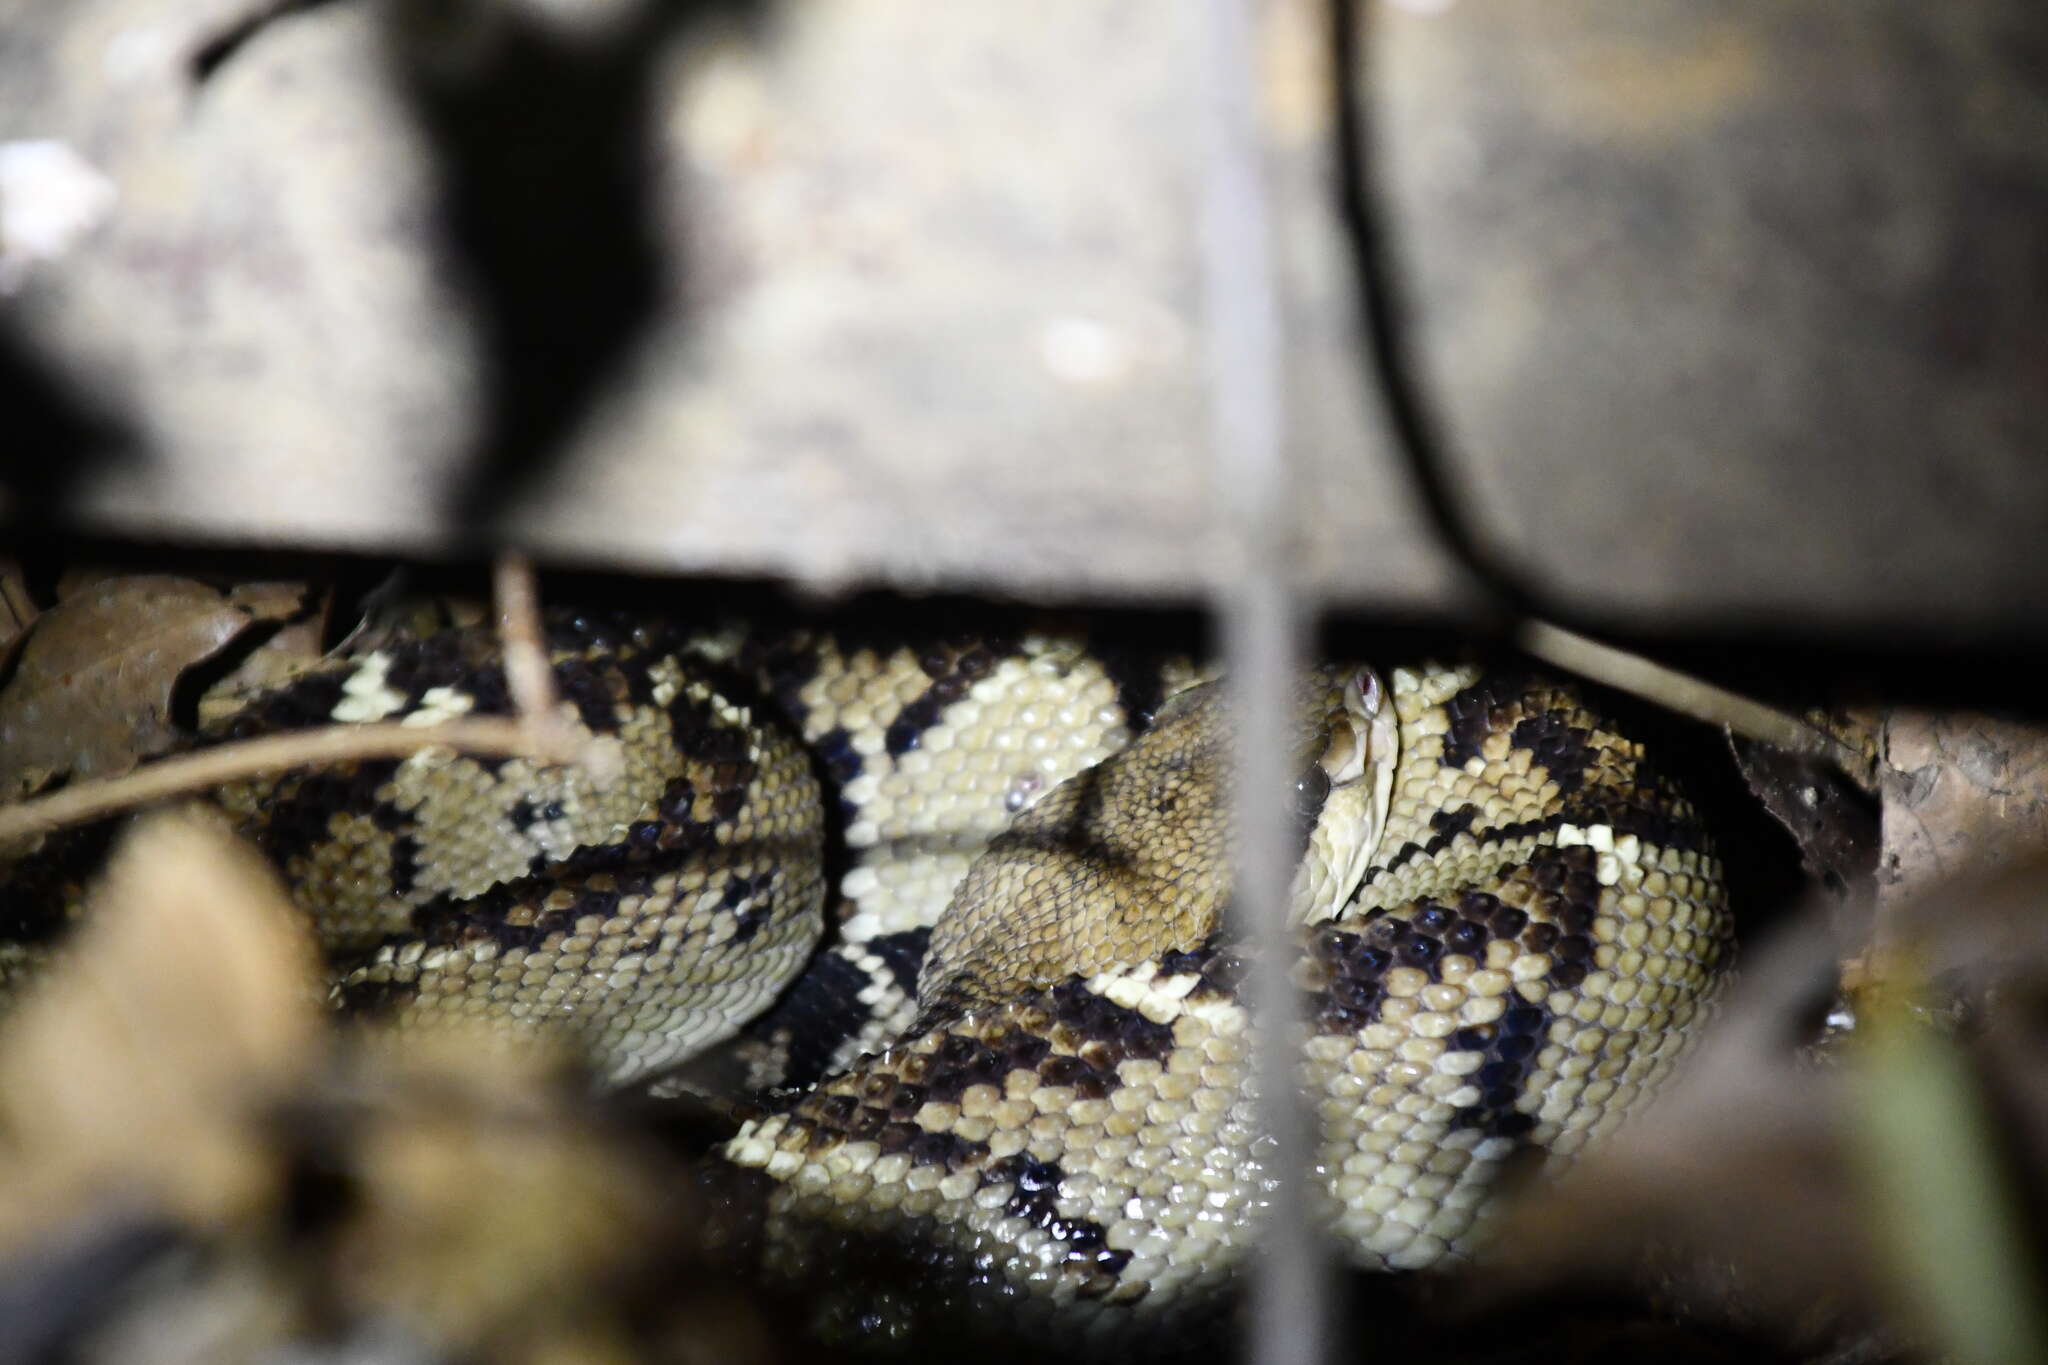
x=1262, y=631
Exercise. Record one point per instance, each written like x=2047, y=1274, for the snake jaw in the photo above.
x=1365, y=745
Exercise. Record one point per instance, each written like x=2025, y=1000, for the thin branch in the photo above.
x=1684, y=694
x=528, y=675
x=87, y=801
x=539, y=731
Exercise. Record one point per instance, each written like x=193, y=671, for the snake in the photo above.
x=954, y=912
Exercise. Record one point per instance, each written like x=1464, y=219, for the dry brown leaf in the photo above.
x=494, y=1208
x=133, y=1070
x=91, y=694
x=270, y=601
x=1963, y=793
x=78, y=578
x=1832, y=819
x=286, y=653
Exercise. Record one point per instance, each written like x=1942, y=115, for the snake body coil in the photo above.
x=1020, y=1059
x=1540, y=923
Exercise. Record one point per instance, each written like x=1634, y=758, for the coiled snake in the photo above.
x=1019, y=1058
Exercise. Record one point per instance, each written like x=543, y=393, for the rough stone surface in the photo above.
x=1733, y=317
x=1736, y=312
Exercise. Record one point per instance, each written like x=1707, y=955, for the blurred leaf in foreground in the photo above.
x=197, y=1166
x=132, y=1071
x=1883, y=1193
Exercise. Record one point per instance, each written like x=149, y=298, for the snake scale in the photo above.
x=955, y=909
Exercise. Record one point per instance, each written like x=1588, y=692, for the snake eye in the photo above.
x=1311, y=789
x=1367, y=684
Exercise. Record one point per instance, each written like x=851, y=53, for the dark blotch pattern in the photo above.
x=597, y=692
x=297, y=818
x=1510, y=1045
x=404, y=870
x=961, y=1061
x=722, y=762
x=952, y=672
x=903, y=955
x=1353, y=968
x=883, y=1112
x=375, y=999
x=1091, y=1018
x=1355, y=959
x=822, y=1010
x=1559, y=746
x=836, y=754
x=739, y=890
x=595, y=666
x=307, y=702
x=1094, y=1036
x=1035, y=1188
x=816, y=1016
x=1087, y=1082
x=1646, y=809
x=1446, y=825
x=1478, y=711
x=1450, y=824
x=783, y=664
x=505, y=914
x=1223, y=969
x=464, y=661
x=1139, y=688
x=461, y=660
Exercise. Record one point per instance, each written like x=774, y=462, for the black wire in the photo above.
x=1418, y=433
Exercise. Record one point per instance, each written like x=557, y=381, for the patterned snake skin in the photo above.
x=1540, y=922
x=1019, y=1060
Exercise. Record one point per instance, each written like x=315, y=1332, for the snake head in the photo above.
x=1356, y=767
x=1132, y=858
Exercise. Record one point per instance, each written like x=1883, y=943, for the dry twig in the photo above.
x=528, y=675
x=87, y=801
x=1686, y=695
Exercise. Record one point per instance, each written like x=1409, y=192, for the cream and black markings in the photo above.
x=821, y=1021
x=1520, y=966
x=646, y=916
x=1538, y=923
x=1519, y=971
x=929, y=750
x=1033, y=1145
